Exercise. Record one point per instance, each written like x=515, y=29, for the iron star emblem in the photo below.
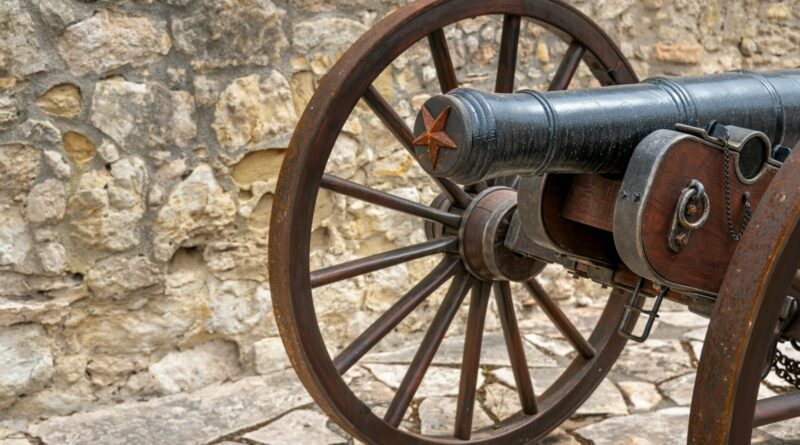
x=434, y=136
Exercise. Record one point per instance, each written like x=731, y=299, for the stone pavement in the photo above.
x=644, y=401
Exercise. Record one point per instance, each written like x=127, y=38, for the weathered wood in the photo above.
x=574, y=237
x=703, y=262
x=591, y=200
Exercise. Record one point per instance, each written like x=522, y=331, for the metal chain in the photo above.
x=787, y=368
x=746, y=198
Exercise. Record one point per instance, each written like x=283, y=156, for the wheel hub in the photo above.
x=482, y=233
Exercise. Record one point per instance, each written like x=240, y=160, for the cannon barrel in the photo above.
x=468, y=135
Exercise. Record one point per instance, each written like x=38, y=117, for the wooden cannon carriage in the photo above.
x=678, y=189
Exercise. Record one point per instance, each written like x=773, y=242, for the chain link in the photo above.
x=746, y=198
x=787, y=368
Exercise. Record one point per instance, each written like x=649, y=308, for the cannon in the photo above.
x=680, y=189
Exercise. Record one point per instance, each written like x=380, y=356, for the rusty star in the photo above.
x=434, y=136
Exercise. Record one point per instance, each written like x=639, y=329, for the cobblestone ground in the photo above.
x=645, y=399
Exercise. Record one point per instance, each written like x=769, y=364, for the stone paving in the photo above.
x=645, y=399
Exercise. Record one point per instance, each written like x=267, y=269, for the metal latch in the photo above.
x=632, y=307
x=692, y=198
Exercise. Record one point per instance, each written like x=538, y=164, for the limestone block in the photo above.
x=46, y=202
x=123, y=276
x=57, y=294
x=54, y=401
x=111, y=39
x=196, y=367
x=666, y=359
x=106, y=207
x=643, y=395
x=437, y=416
x=40, y=134
x=678, y=53
x=224, y=33
x=143, y=116
x=80, y=148
x=15, y=242
x=8, y=111
x=27, y=361
x=665, y=427
x=143, y=331
x=103, y=370
x=108, y=151
x=301, y=426
x=270, y=356
x=438, y=381
x=183, y=419
x=238, y=307
x=59, y=14
x=501, y=401
x=260, y=166
x=778, y=12
x=197, y=206
x=53, y=257
x=60, y=167
x=254, y=112
x=62, y=100
x=11, y=437
x=15, y=284
x=237, y=258
x=20, y=48
x=333, y=33
x=19, y=166
x=206, y=91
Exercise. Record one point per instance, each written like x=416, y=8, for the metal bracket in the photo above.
x=632, y=307
x=687, y=206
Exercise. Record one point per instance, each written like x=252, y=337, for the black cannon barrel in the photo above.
x=469, y=135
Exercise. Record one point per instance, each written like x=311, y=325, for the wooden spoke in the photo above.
x=389, y=117
x=777, y=409
x=387, y=200
x=560, y=319
x=400, y=130
x=397, y=313
x=796, y=282
x=470, y=365
x=442, y=61
x=516, y=349
x=568, y=67
x=509, y=43
x=427, y=350
x=455, y=193
x=383, y=260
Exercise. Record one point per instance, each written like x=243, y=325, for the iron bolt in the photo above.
x=691, y=209
x=682, y=239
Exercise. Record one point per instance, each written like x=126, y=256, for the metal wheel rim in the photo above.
x=300, y=180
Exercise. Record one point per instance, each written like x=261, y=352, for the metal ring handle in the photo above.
x=695, y=188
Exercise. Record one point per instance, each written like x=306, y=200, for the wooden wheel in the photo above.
x=458, y=231
x=725, y=405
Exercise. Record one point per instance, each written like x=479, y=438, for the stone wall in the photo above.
x=140, y=142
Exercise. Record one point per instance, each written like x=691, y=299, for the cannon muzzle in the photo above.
x=469, y=136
